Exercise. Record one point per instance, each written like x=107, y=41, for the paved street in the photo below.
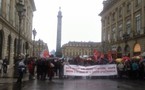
x=74, y=84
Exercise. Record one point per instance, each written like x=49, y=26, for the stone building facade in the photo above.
x=9, y=28
x=123, y=26
x=74, y=49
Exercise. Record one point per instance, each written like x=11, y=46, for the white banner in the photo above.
x=95, y=70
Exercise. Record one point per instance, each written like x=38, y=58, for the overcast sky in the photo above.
x=80, y=21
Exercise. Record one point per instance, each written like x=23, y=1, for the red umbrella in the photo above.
x=126, y=58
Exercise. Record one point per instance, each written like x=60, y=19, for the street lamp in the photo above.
x=21, y=10
x=34, y=34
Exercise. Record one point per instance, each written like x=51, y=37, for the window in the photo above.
x=8, y=9
x=128, y=7
x=138, y=23
x=114, y=34
x=103, y=22
x=108, y=20
x=138, y=2
x=0, y=7
x=109, y=37
x=1, y=43
x=8, y=47
x=113, y=16
x=104, y=35
x=120, y=12
x=120, y=34
x=128, y=27
x=120, y=31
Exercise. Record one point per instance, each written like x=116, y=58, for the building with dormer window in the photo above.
x=125, y=27
x=74, y=49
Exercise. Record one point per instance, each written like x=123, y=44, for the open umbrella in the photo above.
x=125, y=58
x=136, y=58
x=118, y=59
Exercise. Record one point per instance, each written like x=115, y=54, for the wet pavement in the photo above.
x=75, y=84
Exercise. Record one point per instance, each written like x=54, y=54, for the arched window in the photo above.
x=137, y=49
x=15, y=47
x=119, y=52
x=9, y=47
x=127, y=50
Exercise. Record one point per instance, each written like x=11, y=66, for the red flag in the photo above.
x=110, y=56
x=96, y=54
x=125, y=58
x=45, y=54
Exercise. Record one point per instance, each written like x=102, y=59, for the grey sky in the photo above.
x=80, y=21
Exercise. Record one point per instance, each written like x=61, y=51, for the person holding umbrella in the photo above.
x=21, y=68
x=142, y=68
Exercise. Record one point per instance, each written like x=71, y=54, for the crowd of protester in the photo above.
x=38, y=68
x=47, y=68
x=130, y=68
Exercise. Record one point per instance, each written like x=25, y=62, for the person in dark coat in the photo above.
x=60, y=68
x=56, y=68
x=50, y=69
x=39, y=68
x=44, y=68
x=5, y=64
x=21, y=69
x=31, y=68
